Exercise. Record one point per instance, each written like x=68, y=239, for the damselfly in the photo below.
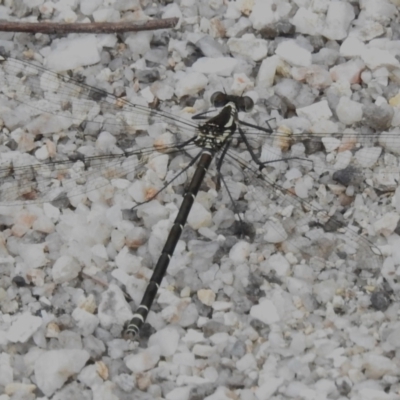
x=53, y=123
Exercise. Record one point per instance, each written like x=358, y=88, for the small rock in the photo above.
x=179, y=393
x=267, y=71
x=307, y=22
x=203, y=350
x=246, y=363
x=368, y=156
x=349, y=71
x=206, y=296
x=249, y=46
x=376, y=366
x=199, y=217
x=279, y=264
x=375, y=58
x=15, y=387
x=113, y=308
x=239, y=253
x=275, y=232
x=266, y=312
x=267, y=12
x=190, y=84
x=316, y=111
x=143, y=361
x=6, y=376
x=294, y=54
x=65, y=269
x=267, y=389
x=86, y=321
x=387, y=224
x=23, y=328
x=102, y=370
x=348, y=111
x=338, y=19
x=330, y=143
x=167, y=339
x=222, y=66
x=73, y=53
x=54, y=367
x=381, y=301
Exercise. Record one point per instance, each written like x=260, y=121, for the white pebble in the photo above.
x=294, y=54
x=23, y=328
x=368, y=156
x=113, y=308
x=266, y=312
x=267, y=12
x=279, y=264
x=246, y=363
x=338, y=19
x=389, y=141
x=179, y=393
x=222, y=305
x=203, y=350
x=51, y=212
x=6, y=375
x=43, y=224
x=105, y=142
x=275, y=232
x=206, y=296
x=186, y=359
x=302, y=186
x=352, y=47
x=350, y=71
x=54, y=367
x=267, y=71
x=307, y=22
x=330, y=143
x=239, y=253
x=33, y=255
x=143, y=361
x=267, y=389
x=199, y=217
x=222, y=66
x=375, y=366
x=375, y=58
x=159, y=164
x=249, y=46
x=65, y=269
x=315, y=112
x=73, y=53
x=167, y=339
x=87, y=7
x=348, y=111
x=387, y=224
x=128, y=262
x=42, y=153
x=85, y=321
x=139, y=42
x=190, y=84
x=89, y=376
x=14, y=387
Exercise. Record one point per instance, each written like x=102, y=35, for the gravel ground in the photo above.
x=295, y=312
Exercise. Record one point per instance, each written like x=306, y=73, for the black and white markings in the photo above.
x=212, y=137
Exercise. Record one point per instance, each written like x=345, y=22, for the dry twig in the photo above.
x=91, y=27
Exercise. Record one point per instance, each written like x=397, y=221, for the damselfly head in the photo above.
x=243, y=103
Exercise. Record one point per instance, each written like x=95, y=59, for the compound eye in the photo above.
x=246, y=104
x=218, y=99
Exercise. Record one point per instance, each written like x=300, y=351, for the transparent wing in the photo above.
x=44, y=102
x=25, y=181
x=312, y=227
